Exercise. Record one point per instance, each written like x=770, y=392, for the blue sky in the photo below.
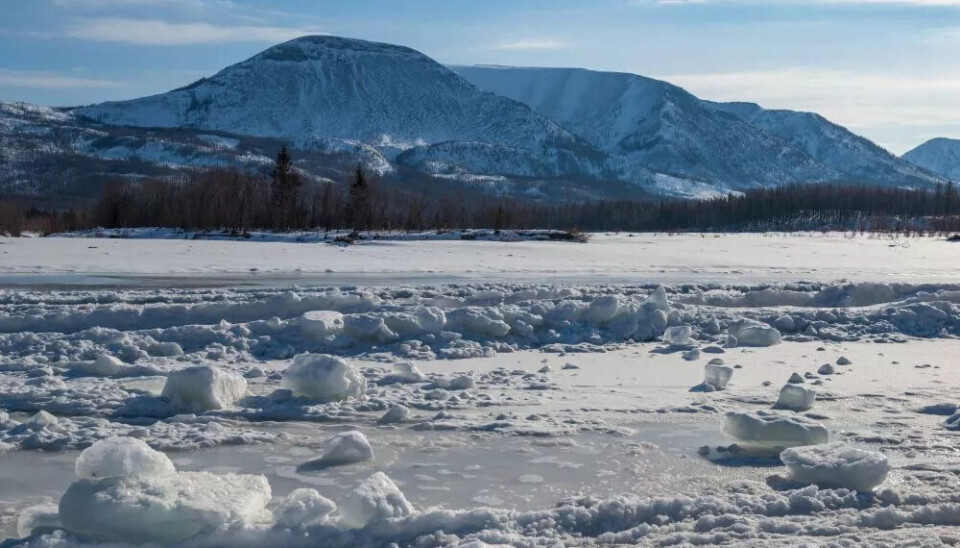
x=887, y=69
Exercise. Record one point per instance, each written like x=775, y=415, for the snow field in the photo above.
x=497, y=413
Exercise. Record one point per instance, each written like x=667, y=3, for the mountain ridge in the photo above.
x=546, y=132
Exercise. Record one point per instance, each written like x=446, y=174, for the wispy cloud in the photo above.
x=534, y=44
x=49, y=80
x=158, y=32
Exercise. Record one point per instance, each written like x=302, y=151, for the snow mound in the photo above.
x=717, y=375
x=162, y=509
x=106, y=366
x=796, y=397
x=377, y=498
x=395, y=415
x=122, y=458
x=303, y=507
x=837, y=465
x=774, y=429
x=753, y=333
x=346, y=448
x=324, y=378
x=203, y=388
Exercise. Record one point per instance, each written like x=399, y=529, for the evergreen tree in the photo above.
x=358, y=206
x=285, y=185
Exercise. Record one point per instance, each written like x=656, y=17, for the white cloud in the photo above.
x=528, y=45
x=157, y=32
x=48, y=80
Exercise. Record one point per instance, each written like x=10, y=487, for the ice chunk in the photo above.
x=751, y=333
x=346, y=448
x=303, y=507
x=796, y=397
x=40, y=420
x=162, y=509
x=603, y=308
x=320, y=324
x=109, y=366
x=837, y=465
x=717, y=375
x=203, y=388
x=43, y=516
x=462, y=382
x=106, y=366
x=324, y=378
x=658, y=299
x=122, y=458
x=367, y=327
x=404, y=372
x=377, y=498
x=678, y=335
x=773, y=428
x=395, y=415
x=165, y=349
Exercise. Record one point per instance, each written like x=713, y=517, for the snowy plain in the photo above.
x=511, y=393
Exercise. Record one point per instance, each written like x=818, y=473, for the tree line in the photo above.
x=286, y=199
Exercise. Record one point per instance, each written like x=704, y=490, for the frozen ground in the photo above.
x=640, y=258
x=527, y=406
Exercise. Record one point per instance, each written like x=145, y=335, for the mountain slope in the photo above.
x=653, y=123
x=940, y=155
x=858, y=159
x=671, y=131
x=329, y=87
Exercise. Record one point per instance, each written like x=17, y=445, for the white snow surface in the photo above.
x=626, y=258
x=517, y=412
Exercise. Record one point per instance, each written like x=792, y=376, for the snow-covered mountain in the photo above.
x=322, y=87
x=857, y=158
x=667, y=129
x=940, y=155
x=559, y=134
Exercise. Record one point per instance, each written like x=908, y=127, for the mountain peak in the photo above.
x=320, y=46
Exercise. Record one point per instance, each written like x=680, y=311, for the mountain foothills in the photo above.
x=939, y=156
x=548, y=134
